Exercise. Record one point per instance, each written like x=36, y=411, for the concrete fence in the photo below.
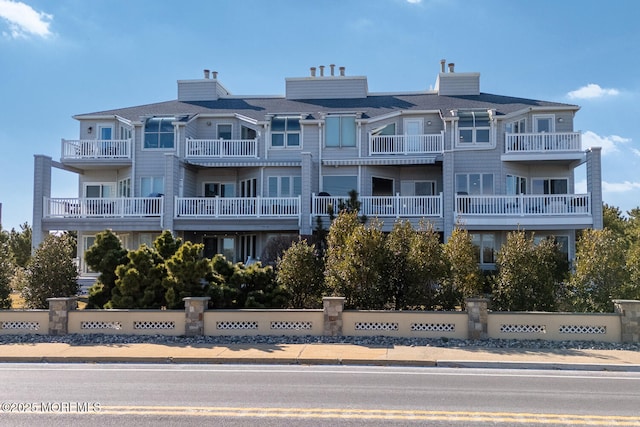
x=477, y=322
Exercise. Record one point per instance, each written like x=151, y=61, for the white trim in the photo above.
x=551, y=117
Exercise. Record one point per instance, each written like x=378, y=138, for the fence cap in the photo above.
x=196, y=298
x=62, y=298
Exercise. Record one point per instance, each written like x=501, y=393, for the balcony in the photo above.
x=103, y=207
x=543, y=146
x=524, y=209
x=221, y=148
x=406, y=144
x=96, y=149
x=383, y=206
x=237, y=207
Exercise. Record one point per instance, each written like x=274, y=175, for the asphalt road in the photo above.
x=241, y=395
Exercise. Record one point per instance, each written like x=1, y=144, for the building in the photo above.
x=232, y=171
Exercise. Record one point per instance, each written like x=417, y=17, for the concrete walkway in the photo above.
x=326, y=354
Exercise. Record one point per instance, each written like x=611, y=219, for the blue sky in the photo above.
x=66, y=57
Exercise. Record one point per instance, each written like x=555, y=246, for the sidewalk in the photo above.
x=325, y=354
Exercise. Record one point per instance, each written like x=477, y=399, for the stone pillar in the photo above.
x=59, y=309
x=629, y=311
x=333, y=308
x=194, y=308
x=478, y=312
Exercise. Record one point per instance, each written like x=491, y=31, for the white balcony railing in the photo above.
x=96, y=149
x=237, y=207
x=542, y=142
x=103, y=207
x=524, y=204
x=406, y=144
x=218, y=148
x=382, y=206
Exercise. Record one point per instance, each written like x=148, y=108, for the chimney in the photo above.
x=451, y=66
x=442, y=63
x=333, y=66
x=206, y=74
x=215, y=75
x=313, y=71
x=342, y=71
x=322, y=71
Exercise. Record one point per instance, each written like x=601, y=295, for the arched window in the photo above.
x=159, y=132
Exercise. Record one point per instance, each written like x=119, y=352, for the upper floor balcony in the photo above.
x=406, y=144
x=543, y=146
x=92, y=149
x=116, y=207
x=524, y=209
x=382, y=206
x=237, y=207
x=221, y=148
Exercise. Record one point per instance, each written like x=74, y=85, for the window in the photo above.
x=247, y=133
x=105, y=133
x=248, y=188
x=224, y=131
x=485, y=246
x=217, y=189
x=516, y=185
x=220, y=245
x=285, y=132
x=340, y=131
x=381, y=186
x=125, y=133
x=474, y=183
x=474, y=127
x=124, y=187
x=248, y=248
x=544, y=123
x=549, y=186
x=99, y=190
x=339, y=185
x=285, y=186
x=151, y=186
x=517, y=126
x=388, y=129
x=158, y=132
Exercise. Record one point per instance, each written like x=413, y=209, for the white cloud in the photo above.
x=619, y=187
x=590, y=91
x=23, y=20
x=414, y=1
x=609, y=143
x=635, y=151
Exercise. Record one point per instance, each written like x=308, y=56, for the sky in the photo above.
x=66, y=57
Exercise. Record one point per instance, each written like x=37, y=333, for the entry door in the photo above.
x=412, y=129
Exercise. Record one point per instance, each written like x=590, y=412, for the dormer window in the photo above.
x=285, y=132
x=340, y=131
x=159, y=132
x=474, y=127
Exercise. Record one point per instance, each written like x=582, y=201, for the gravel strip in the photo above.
x=377, y=341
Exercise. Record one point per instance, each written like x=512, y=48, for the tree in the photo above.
x=430, y=268
x=600, y=271
x=355, y=266
x=613, y=220
x=20, y=245
x=187, y=270
x=527, y=278
x=464, y=278
x=301, y=273
x=139, y=281
x=104, y=257
x=51, y=272
x=336, y=255
x=7, y=268
x=401, y=273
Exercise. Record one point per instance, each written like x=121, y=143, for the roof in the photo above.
x=372, y=106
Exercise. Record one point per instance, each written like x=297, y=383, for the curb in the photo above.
x=554, y=366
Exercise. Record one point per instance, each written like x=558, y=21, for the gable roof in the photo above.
x=258, y=108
